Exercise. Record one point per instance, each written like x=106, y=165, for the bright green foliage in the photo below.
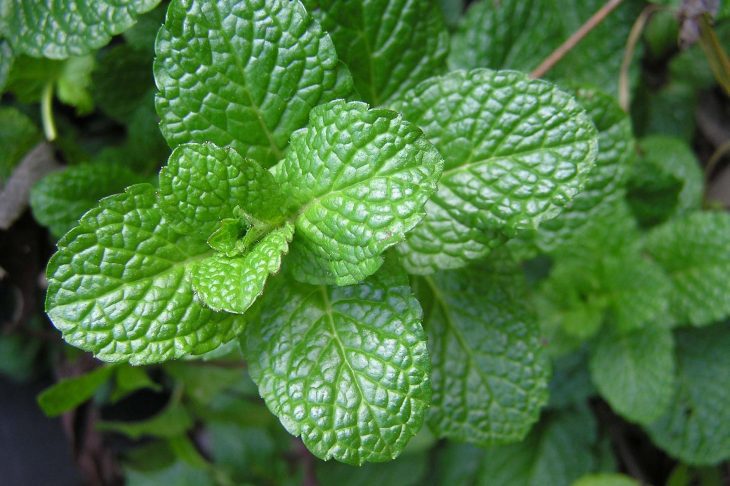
x=556, y=452
x=696, y=429
x=388, y=46
x=695, y=251
x=119, y=285
x=59, y=200
x=70, y=393
x=365, y=170
x=57, y=30
x=606, y=479
x=516, y=151
x=202, y=184
x=244, y=74
x=634, y=372
x=344, y=367
x=233, y=284
x=605, y=181
x=18, y=135
x=489, y=375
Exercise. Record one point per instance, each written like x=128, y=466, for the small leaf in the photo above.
x=75, y=82
x=59, y=199
x=389, y=46
x=18, y=135
x=119, y=285
x=203, y=184
x=695, y=251
x=72, y=392
x=696, y=428
x=489, y=374
x=344, y=367
x=244, y=74
x=170, y=422
x=45, y=28
x=233, y=284
x=364, y=170
x=606, y=479
x=129, y=379
x=634, y=372
x=516, y=151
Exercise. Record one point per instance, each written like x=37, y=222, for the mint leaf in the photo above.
x=365, y=170
x=516, y=150
x=72, y=392
x=306, y=264
x=59, y=199
x=605, y=182
x=233, y=284
x=634, y=372
x=43, y=28
x=556, y=452
x=344, y=367
x=244, y=74
x=119, y=285
x=202, y=184
x=18, y=135
x=696, y=428
x=695, y=251
x=489, y=374
x=172, y=421
x=74, y=83
x=389, y=46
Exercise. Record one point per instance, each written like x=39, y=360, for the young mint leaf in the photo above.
x=57, y=30
x=119, y=285
x=605, y=181
x=18, y=135
x=244, y=74
x=6, y=63
x=129, y=379
x=306, y=264
x=344, y=367
x=72, y=392
x=489, y=375
x=203, y=184
x=557, y=452
x=75, y=82
x=357, y=180
x=696, y=428
x=516, y=151
x=634, y=372
x=170, y=422
x=59, y=199
x=695, y=251
x=233, y=284
x=389, y=46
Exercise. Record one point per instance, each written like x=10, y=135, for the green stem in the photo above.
x=49, y=128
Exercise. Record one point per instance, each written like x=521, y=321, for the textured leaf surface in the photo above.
x=244, y=74
x=46, y=28
x=119, y=285
x=357, y=180
x=556, y=452
x=59, y=199
x=605, y=181
x=516, y=151
x=489, y=375
x=233, y=284
x=696, y=429
x=203, y=184
x=695, y=252
x=634, y=372
x=344, y=367
x=389, y=46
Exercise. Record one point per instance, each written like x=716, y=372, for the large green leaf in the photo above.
x=119, y=285
x=389, y=46
x=59, y=199
x=344, y=367
x=357, y=180
x=634, y=372
x=244, y=74
x=695, y=252
x=516, y=152
x=489, y=373
x=48, y=28
x=696, y=429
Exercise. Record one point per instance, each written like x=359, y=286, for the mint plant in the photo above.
x=399, y=233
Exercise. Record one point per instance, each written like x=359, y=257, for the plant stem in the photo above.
x=624, y=93
x=574, y=39
x=49, y=128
